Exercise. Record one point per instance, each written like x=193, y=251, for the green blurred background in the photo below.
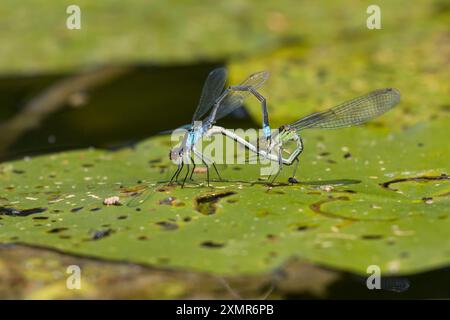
x=160, y=52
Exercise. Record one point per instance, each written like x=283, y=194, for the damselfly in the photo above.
x=221, y=102
x=353, y=112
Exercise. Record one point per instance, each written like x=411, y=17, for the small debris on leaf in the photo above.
x=112, y=201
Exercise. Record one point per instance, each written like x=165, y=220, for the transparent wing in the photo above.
x=185, y=126
x=353, y=112
x=213, y=87
x=140, y=197
x=235, y=99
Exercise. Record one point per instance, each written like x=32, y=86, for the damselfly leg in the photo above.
x=177, y=172
x=293, y=179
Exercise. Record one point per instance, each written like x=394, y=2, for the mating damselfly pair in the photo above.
x=220, y=102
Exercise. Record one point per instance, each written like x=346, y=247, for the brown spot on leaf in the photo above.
x=206, y=204
x=167, y=225
x=101, y=234
x=20, y=213
x=211, y=244
x=372, y=237
x=57, y=230
x=414, y=179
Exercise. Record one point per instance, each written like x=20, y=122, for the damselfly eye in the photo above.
x=174, y=153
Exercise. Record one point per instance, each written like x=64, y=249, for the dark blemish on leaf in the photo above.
x=331, y=161
x=20, y=213
x=271, y=237
x=347, y=191
x=162, y=169
x=305, y=228
x=237, y=168
x=38, y=225
x=165, y=188
x=324, y=154
x=387, y=184
x=76, y=209
x=142, y=238
x=442, y=217
x=420, y=144
x=167, y=225
x=56, y=211
x=95, y=209
x=154, y=161
x=347, y=155
x=122, y=217
x=232, y=200
x=262, y=213
x=313, y=192
x=40, y=218
x=163, y=260
x=206, y=204
x=87, y=165
x=63, y=236
x=52, y=176
x=139, y=181
x=322, y=73
x=10, y=188
x=427, y=200
x=101, y=234
x=211, y=244
x=187, y=219
x=17, y=171
x=106, y=225
x=57, y=230
x=372, y=237
x=138, y=209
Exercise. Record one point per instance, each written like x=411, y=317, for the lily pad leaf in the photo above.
x=365, y=197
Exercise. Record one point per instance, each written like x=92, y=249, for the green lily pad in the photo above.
x=366, y=197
